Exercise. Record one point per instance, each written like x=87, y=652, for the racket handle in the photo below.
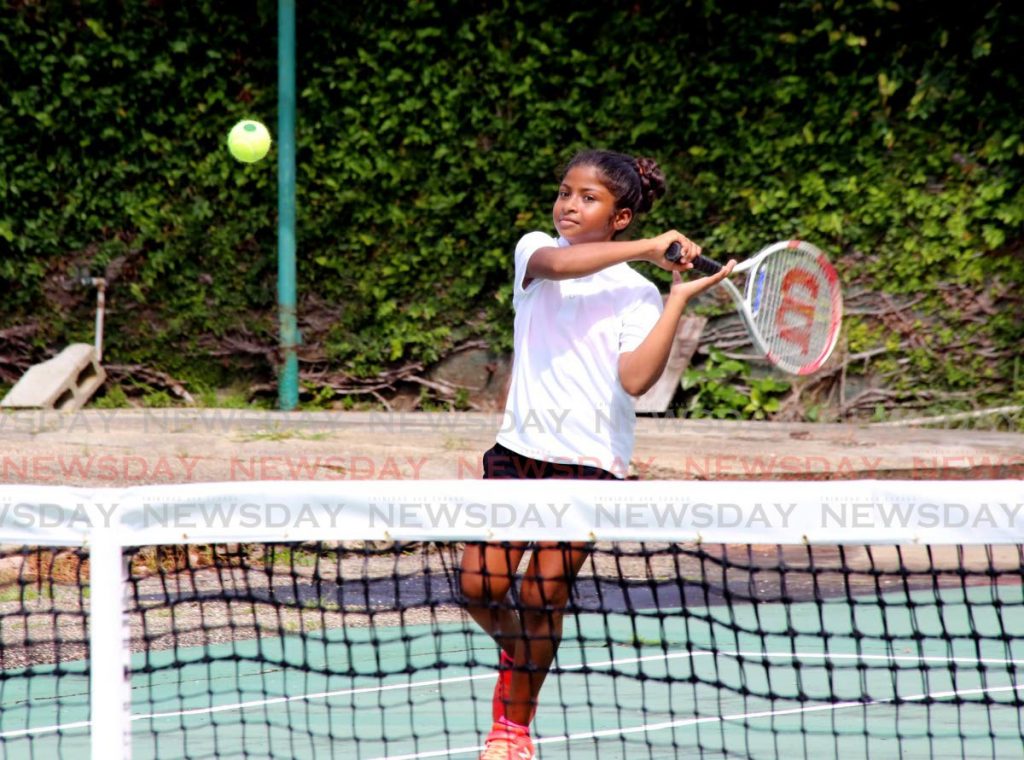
x=702, y=264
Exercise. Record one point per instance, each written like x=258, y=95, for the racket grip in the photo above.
x=702, y=264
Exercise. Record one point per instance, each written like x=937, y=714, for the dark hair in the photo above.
x=635, y=183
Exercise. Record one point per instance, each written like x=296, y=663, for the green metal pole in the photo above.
x=288, y=388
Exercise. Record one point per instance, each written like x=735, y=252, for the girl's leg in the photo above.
x=544, y=594
x=485, y=578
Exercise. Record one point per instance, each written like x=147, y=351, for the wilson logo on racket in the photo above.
x=794, y=319
x=792, y=306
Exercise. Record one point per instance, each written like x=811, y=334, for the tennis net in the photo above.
x=292, y=620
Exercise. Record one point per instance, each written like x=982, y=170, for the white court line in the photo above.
x=45, y=729
x=650, y=727
x=329, y=694
x=560, y=669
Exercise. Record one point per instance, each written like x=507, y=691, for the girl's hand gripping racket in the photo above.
x=792, y=305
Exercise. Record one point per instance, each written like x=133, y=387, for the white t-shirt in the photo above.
x=566, y=403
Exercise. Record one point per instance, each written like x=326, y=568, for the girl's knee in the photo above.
x=482, y=588
x=471, y=587
x=486, y=573
x=544, y=597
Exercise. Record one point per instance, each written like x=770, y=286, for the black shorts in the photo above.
x=501, y=463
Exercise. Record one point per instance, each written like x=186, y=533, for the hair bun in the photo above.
x=652, y=182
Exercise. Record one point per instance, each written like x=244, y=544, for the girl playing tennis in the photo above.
x=590, y=334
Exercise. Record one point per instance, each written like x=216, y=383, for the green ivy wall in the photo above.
x=430, y=136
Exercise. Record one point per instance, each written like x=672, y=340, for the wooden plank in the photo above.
x=658, y=398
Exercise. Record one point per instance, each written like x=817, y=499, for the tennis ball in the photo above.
x=249, y=141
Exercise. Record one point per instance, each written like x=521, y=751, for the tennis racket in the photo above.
x=792, y=304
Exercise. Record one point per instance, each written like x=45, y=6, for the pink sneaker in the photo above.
x=508, y=743
x=499, y=702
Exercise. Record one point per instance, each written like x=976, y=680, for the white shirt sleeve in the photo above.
x=639, y=318
x=529, y=244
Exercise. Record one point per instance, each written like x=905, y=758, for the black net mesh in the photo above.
x=363, y=650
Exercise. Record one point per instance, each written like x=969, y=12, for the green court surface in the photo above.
x=811, y=679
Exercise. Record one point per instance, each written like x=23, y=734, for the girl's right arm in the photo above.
x=587, y=258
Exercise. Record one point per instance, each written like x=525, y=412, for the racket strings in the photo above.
x=796, y=304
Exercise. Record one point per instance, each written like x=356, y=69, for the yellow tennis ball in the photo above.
x=249, y=141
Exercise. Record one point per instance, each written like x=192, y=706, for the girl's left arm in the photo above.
x=640, y=369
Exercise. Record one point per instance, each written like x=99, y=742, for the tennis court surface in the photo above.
x=790, y=646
